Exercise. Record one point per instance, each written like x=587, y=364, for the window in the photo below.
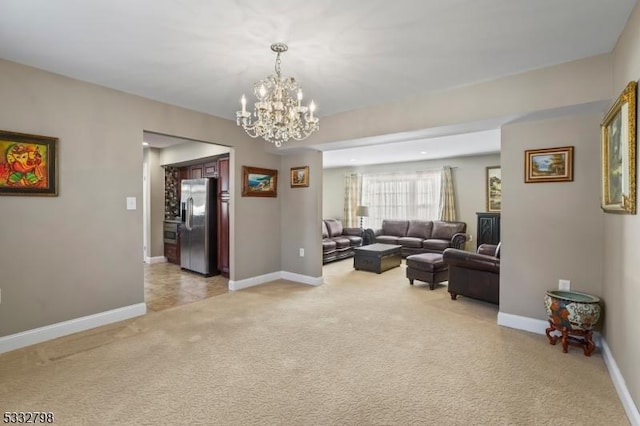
x=401, y=195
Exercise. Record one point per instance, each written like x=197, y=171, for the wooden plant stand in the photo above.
x=585, y=339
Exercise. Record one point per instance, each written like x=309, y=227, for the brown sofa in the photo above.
x=420, y=236
x=475, y=275
x=338, y=242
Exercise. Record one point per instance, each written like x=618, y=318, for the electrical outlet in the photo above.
x=564, y=285
x=301, y=252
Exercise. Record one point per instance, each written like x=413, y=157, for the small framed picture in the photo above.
x=299, y=177
x=494, y=189
x=28, y=164
x=548, y=165
x=259, y=182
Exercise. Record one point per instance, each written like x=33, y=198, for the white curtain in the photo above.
x=401, y=195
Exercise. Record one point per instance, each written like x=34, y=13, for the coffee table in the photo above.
x=377, y=257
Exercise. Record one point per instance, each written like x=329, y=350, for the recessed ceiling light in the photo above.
x=423, y=152
x=145, y=143
x=353, y=160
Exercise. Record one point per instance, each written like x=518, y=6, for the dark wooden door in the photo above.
x=223, y=216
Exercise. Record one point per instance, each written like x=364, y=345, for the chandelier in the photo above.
x=278, y=115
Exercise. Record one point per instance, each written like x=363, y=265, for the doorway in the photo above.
x=167, y=161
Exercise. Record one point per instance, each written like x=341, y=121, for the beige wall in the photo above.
x=469, y=174
x=621, y=284
x=80, y=253
x=156, y=203
x=572, y=83
x=300, y=222
x=188, y=151
x=554, y=230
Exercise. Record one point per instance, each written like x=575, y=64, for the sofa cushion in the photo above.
x=420, y=229
x=412, y=242
x=341, y=242
x=328, y=246
x=334, y=226
x=446, y=230
x=438, y=245
x=396, y=228
x=354, y=240
x=325, y=231
x=387, y=239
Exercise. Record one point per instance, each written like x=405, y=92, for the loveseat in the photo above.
x=420, y=236
x=475, y=275
x=338, y=242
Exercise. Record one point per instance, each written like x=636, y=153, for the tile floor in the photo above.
x=166, y=286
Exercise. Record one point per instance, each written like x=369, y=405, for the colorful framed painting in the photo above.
x=548, y=165
x=258, y=182
x=299, y=177
x=494, y=189
x=28, y=164
x=618, y=134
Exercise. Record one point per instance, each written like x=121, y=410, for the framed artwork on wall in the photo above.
x=548, y=165
x=258, y=182
x=618, y=136
x=299, y=177
x=494, y=189
x=28, y=164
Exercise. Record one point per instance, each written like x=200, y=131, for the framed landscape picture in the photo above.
x=548, y=165
x=28, y=164
x=299, y=177
x=618, y=134
x=258, y=182
x=494, y=189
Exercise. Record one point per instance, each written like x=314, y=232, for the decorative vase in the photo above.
x=572, y=313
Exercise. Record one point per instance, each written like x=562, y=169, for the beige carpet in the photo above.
x=363, y=349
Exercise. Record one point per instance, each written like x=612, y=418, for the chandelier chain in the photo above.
x=278, y=64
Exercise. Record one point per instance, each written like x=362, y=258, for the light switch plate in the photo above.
x=131, y=203
x=564, y=285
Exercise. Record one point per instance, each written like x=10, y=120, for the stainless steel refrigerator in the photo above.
x=198, y=237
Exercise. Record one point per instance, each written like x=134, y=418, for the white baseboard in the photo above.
x=522, y=323
x=620, y=384
x=64, y=328
x=261, y=279
x=304, y=279
x=156, y=259
x=539, y=326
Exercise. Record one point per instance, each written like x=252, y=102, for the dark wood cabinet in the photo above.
x=172, y=253
x=223, y=216
x=211, y=169
x=196, y=172
x=488, y=228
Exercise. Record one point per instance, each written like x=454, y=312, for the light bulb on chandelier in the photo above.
x=279, y=114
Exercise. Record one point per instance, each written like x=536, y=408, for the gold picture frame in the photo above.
x=259, y=182
x=548, y=165
x=299, y=177
x=494, y=188
x=618, y=134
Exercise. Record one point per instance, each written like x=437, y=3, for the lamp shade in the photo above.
x=362, y=211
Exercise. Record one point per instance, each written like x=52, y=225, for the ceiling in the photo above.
x=347, y=54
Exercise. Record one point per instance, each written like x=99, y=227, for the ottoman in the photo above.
x=427, y=267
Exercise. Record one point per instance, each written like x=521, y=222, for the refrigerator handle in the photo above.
x=189, y=221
